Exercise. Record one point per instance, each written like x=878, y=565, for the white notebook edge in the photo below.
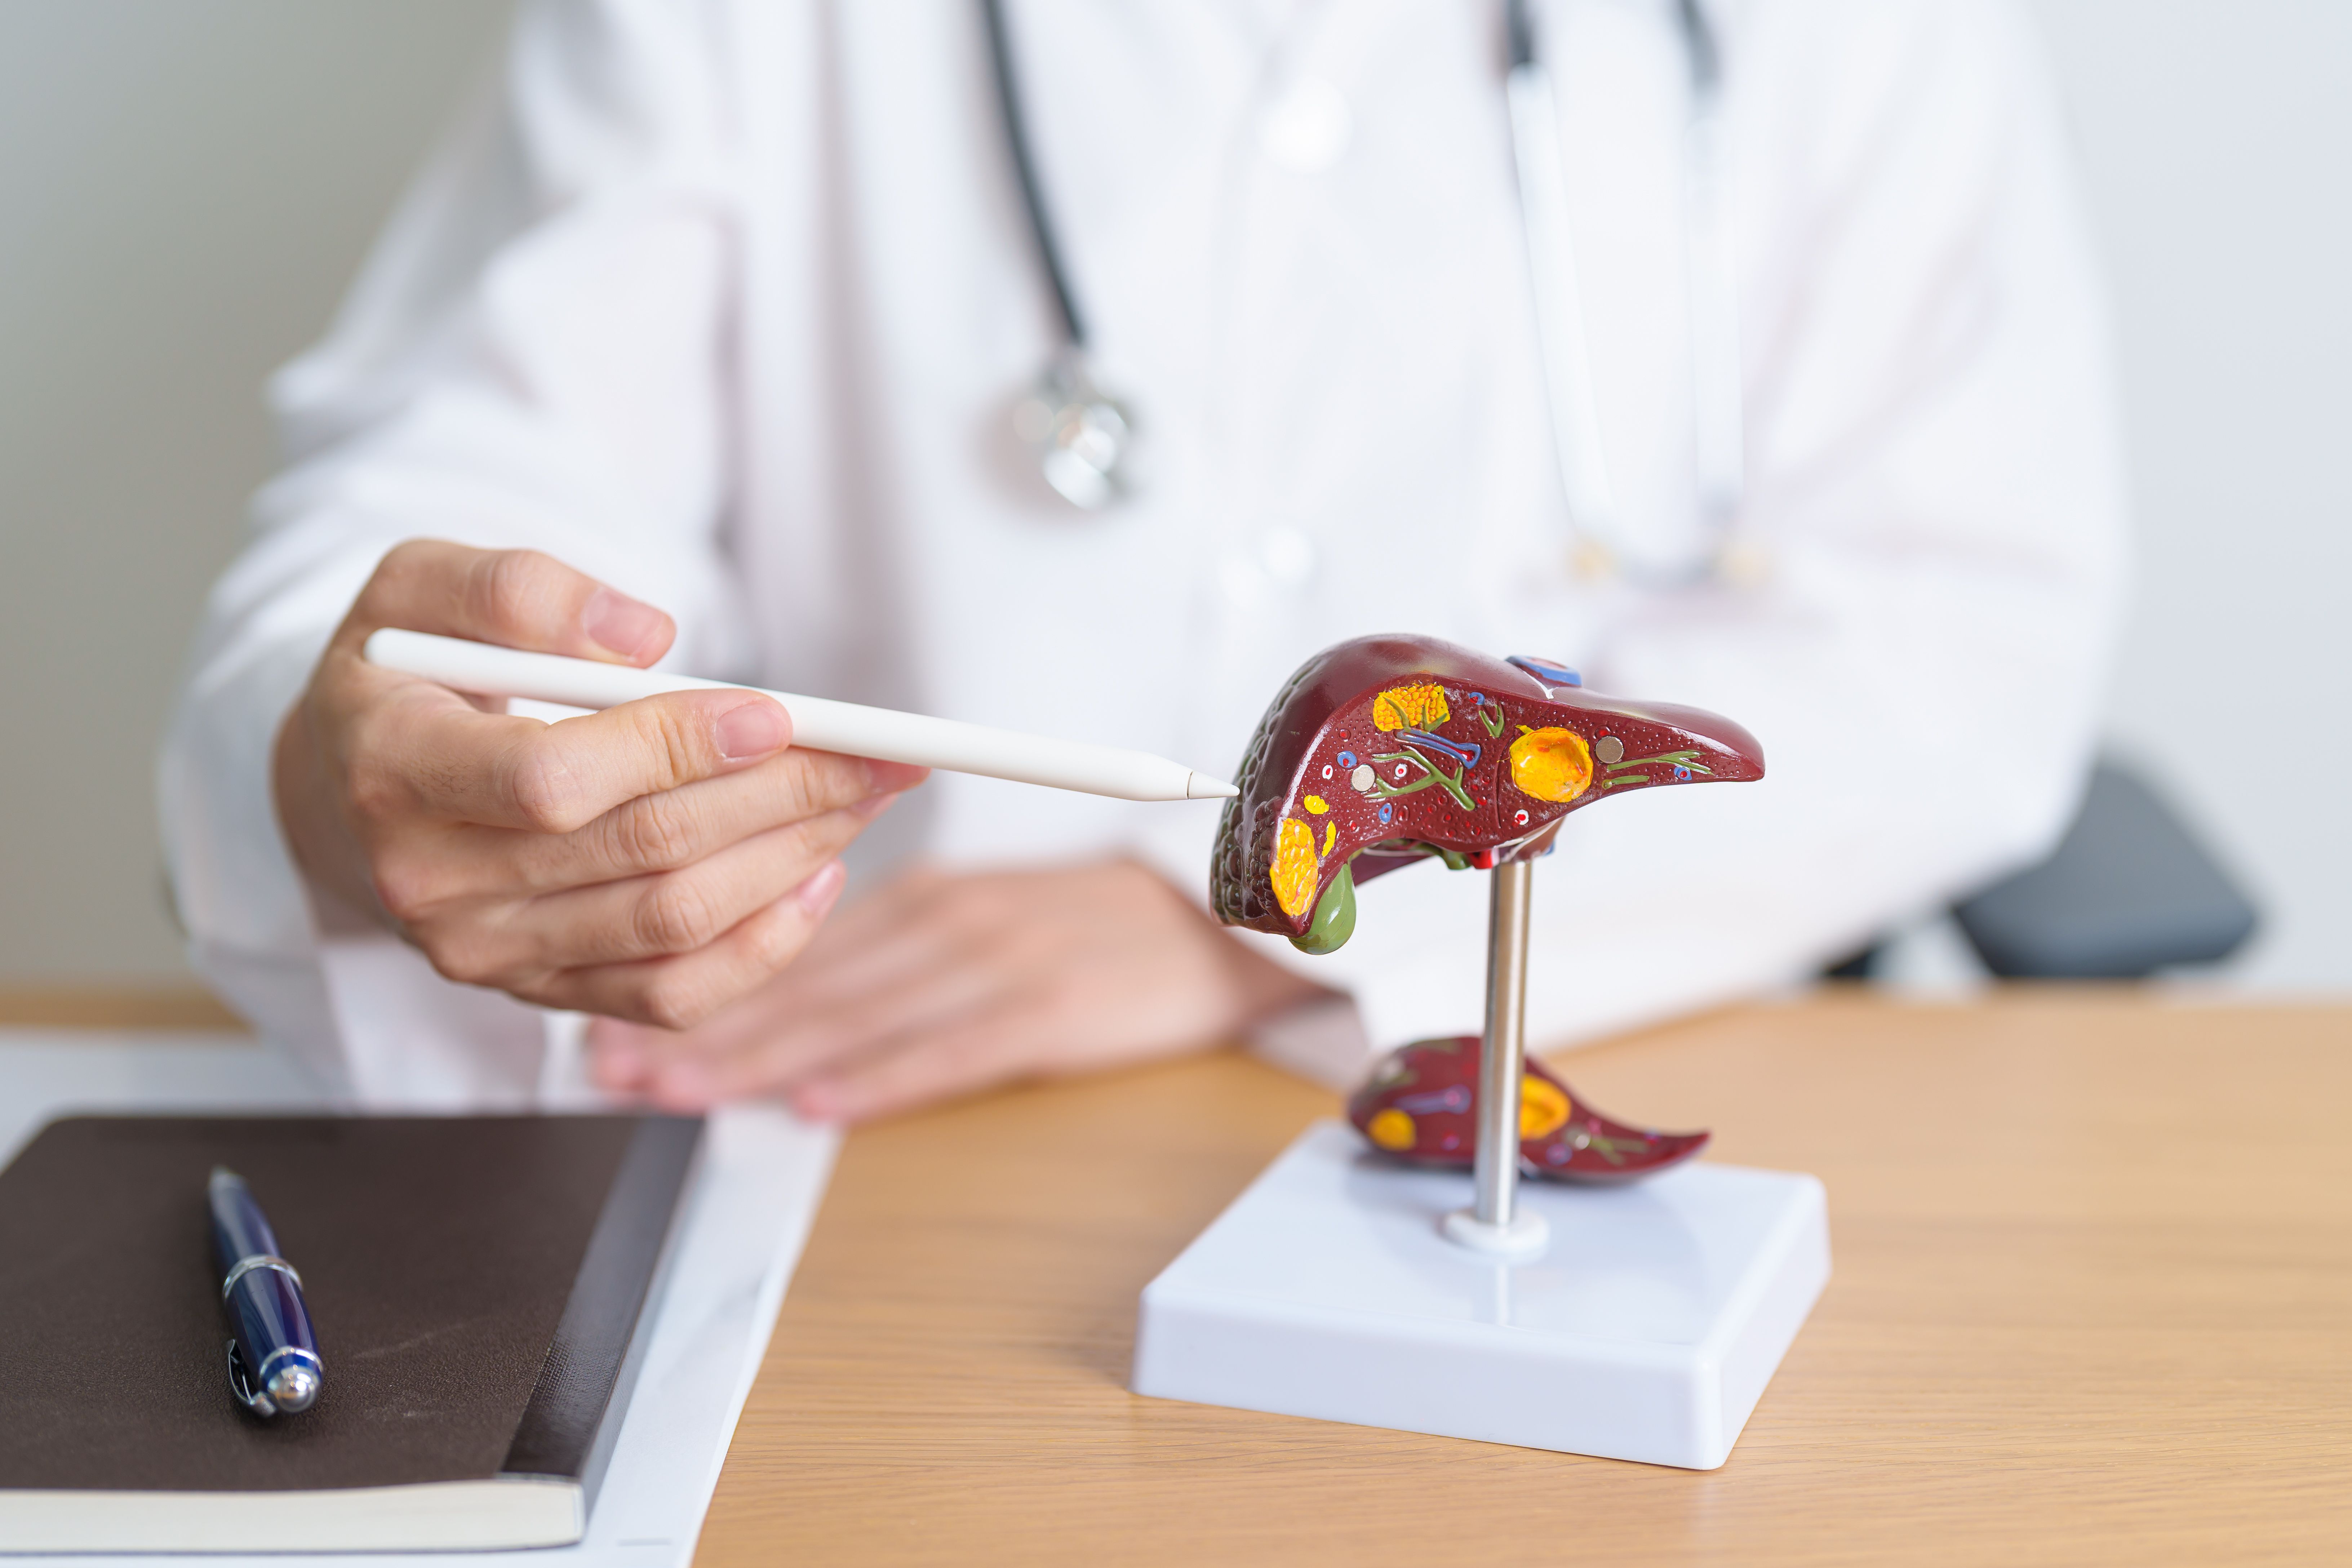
x=435, y=1516
x=819, y=1148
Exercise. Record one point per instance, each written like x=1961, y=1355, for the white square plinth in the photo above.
x=1647, y=1331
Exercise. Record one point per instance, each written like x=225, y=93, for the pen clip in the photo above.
x=254, y=1399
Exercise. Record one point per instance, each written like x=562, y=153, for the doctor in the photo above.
x=712, y=338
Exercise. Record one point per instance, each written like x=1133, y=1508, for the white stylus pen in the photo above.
x=817, y=723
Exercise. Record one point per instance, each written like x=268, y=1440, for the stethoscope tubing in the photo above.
x=1024, y=170
x=1558, y=299
x=1718, y=410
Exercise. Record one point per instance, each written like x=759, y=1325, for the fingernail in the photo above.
x=815, y=896
x=753, y=730
x=893, y=778
x=874, y=806
x=621, y=624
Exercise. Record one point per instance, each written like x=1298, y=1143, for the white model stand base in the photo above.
x=1647, y=1330
x=1524, y=1239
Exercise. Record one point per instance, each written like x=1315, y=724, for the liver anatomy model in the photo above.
x=1386, y=750
x=1345, y=1284
x=1419, y=1106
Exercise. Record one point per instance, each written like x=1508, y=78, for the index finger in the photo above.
x=515, y=598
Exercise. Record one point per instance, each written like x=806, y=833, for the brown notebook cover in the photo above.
x=476, y=1283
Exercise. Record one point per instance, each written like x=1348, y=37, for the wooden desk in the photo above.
x=2093, y=1304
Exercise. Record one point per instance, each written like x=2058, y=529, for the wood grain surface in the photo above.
x=87, y=1006
x=2093, y=1304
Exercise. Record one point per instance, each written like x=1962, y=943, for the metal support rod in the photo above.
x=1502, y=1058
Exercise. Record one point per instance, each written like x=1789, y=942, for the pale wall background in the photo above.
x=186, y=186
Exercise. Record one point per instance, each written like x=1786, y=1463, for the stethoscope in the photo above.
x=1082, y=435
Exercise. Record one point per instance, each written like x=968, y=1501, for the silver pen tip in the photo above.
x=1201, y=787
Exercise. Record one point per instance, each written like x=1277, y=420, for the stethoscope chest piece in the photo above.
x=1079, y=434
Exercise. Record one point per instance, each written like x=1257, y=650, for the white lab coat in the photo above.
x=727, y=304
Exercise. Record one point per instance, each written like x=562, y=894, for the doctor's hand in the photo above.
x=655, y=861
x=939, y=983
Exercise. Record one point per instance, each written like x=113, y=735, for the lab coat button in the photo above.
x=1307, y=128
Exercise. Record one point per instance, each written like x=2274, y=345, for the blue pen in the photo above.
x=273, y=1357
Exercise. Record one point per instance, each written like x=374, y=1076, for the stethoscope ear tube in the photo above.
x=1079, y=434
x=1024, y=170
x=1717, y=399
x=1558, y=303
x=1718, y=414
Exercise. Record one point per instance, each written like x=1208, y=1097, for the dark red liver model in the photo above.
x=1420, y=1105
x=1388, y=749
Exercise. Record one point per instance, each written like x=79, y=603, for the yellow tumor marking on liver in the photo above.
x=1391, y=1129
x=1295, y=867
x=1411, y=708
x=1555, y=765
x=1330, y=836
x=1542, y=1108
x=1316, y=803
